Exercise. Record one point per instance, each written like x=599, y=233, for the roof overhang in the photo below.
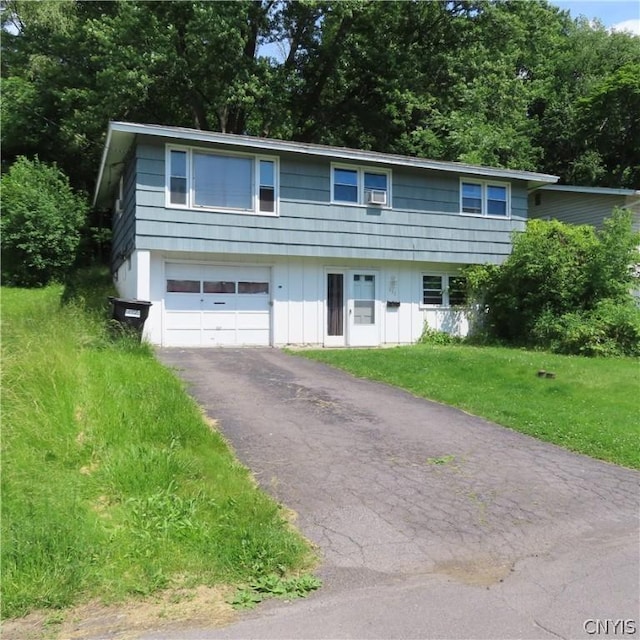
x=115, y=152
x=121, y=136
x=597, y=191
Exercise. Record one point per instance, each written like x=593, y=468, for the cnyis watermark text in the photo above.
x=610, y=627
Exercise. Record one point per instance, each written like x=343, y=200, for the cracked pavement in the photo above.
x=431, y=523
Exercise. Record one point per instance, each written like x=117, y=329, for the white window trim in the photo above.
x=255, y=187
x=361, y=170
x=445, y=289
x=484, y=184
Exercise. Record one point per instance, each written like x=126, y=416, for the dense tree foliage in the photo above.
x=41, y=222
x=565, y=287
x=512, y=84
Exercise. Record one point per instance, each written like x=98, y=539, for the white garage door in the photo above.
x=208, y=306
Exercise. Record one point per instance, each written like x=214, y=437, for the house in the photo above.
x=582, y=205
x=238, y=240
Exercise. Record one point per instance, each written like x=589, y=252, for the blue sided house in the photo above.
x=238, y=240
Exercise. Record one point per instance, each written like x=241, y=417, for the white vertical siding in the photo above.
x=143, y=267
x=156, y=292
x=125, y=279
x=280, y=302
x=298, y=296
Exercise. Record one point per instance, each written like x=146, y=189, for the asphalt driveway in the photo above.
x=431, y=523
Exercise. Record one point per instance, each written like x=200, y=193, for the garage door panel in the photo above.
x=253, y=303
x=216, y=272
x=177, y=271
x=185, y=320
x=182, y=302
x=183, y=338
x=219, y=303
x=220, y=320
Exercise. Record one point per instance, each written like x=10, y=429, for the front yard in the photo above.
x=114, y=486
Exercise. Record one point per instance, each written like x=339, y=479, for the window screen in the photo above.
x=432, y=290
x=222, y=181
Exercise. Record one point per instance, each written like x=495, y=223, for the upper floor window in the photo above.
x=211, y=180
x=359, y=185
x=482, y=198
x=443, y=290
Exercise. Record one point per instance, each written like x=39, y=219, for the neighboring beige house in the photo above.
x=585, y=205
x=582, y=205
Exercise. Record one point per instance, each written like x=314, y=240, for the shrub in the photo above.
x=41, y=222
x=435, y=337
x=611, y=329
x=564, y=287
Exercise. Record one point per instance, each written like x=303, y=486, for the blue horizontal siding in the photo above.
x=314, y=218
x=123, y=226
x=243, y=248
x=309, y=181
x=425, y=223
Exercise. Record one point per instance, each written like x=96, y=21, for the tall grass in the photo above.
x=112, y=484
x=591, y=405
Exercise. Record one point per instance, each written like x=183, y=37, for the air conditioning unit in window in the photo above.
x=374, y=196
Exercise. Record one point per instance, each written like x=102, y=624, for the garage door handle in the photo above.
x=219, y=303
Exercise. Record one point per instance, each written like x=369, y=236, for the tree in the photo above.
x=609, y=123
x=502, y=83
x=40, y=224
x=585, y=64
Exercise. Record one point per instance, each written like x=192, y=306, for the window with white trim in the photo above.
x=202, y=179
x=360, y=185
x=482, y=198
x=442, y=290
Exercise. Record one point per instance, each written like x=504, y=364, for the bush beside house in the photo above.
x=41, y=222
x=565, y=288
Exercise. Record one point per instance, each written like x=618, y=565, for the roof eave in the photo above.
x=117, y=146
x=338, y=153
x=607, y=191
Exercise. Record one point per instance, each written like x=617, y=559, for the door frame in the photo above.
x=352, y=335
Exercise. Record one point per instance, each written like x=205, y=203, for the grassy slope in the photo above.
x=591, y=406
x=112, y=484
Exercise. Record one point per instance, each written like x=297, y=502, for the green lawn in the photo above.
x=112, y=483
x=592, y=405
